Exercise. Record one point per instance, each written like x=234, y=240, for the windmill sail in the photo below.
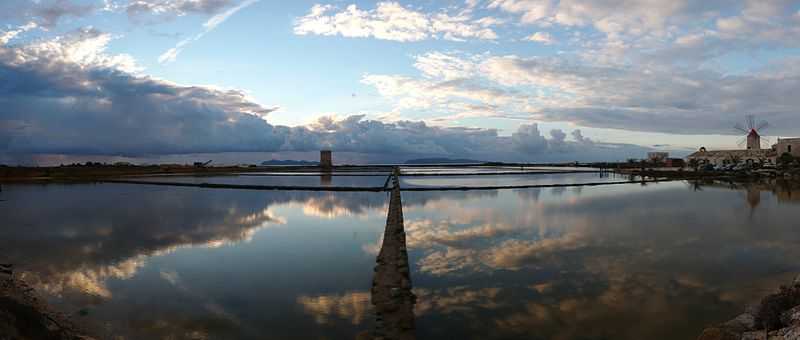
x=752, y=130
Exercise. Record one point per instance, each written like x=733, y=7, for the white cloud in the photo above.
x=653, y=97
x=444, y=66
x=85, y=47
x=542, y=37
x=531, y=10
x=69, y=96
x=9, y=35
x=631, y=27
x=392, y=21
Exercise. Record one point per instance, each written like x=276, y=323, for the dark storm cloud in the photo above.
x=60, y=97
x=66, y=96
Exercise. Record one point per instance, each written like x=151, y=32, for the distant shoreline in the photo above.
x=94, y=172
x=10, y=174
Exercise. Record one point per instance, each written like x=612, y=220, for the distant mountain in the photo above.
x=288, y=162
x=441, y=161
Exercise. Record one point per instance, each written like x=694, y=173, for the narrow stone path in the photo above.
x=391, y=285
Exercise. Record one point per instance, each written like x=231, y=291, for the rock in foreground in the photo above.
x=776, y=317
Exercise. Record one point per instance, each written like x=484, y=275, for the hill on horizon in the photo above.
x=442, y=160
x=288, y=162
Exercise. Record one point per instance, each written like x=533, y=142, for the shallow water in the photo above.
x=276, y=180
x=510, y=180
x=659, y=261
x=461, y=170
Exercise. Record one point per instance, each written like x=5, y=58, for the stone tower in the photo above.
x=326, y=159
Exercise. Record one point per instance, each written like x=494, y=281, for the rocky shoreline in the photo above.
x=776, y=317
x=25, y=316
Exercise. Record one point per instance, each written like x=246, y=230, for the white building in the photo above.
x=753, y=154
x=788, y=145
x=725, y=157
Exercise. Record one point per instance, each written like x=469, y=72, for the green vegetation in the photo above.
x=786, y=160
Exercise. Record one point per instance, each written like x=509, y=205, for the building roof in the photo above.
x=730, y=153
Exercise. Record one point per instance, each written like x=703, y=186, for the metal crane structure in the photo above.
x=201, y=164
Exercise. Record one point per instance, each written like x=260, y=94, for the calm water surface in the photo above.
x=510, y=180
x=613, y=262
x=282, y=180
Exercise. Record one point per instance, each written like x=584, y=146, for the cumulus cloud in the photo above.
x=655, y=97
x=69, y=96
x=445, y=66
x=9, y=35
x=392, y=21
x=579, y=138
x=632, y=27
x=650, y=66
x=528, y=139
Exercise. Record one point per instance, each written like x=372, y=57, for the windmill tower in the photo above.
x=752, y=136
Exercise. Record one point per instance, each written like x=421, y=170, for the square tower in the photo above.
x=326, y=159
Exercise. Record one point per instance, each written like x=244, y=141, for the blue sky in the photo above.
x=511, y=79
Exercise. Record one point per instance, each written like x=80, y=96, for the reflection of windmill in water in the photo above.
x=752, y=192
x=753, y=198
x=695, y=185
x=752, y=130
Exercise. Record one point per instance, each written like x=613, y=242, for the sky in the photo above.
x=386, y=81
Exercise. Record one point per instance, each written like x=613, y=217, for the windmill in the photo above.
x=751, y=129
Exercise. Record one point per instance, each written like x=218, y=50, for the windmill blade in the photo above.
x=751, y=122
x=762, y=125
x=740, y=128
x=742, y=141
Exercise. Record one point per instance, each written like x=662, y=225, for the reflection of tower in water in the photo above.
x=325, y=179
x=753, y=197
